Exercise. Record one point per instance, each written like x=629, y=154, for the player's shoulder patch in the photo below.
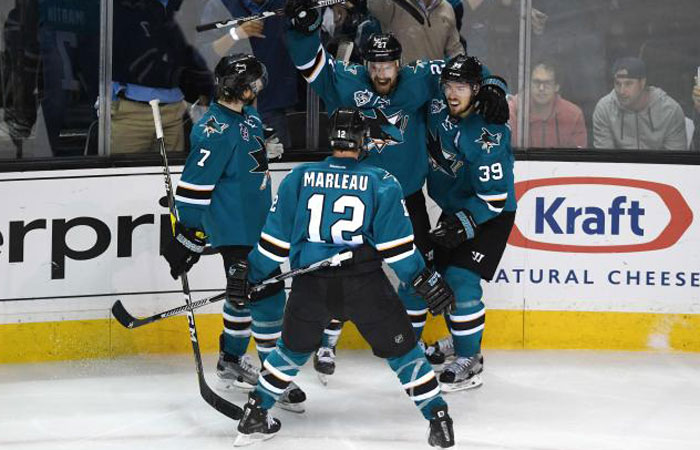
x=437, y=105
x=489, y=139
x=362, y=97
x=210, y=125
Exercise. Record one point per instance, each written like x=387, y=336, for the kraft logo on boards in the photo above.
x=555, y=216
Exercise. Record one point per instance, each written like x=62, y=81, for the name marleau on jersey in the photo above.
x=335, y=181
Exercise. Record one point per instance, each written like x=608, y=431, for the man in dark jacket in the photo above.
x=266, y=40
x=152, y=60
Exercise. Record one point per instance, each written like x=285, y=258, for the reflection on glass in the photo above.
x=49, y=78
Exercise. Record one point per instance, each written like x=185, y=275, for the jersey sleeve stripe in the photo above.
x=400, y=256
x=278, y=242
x=192, y=201
x=276, y=250
x=310, y=71
x=195, y=187
x=312, y=61
x=397, y=250
x=394, y=243
x=270, y=255
x=493, y=197
x=193, y=193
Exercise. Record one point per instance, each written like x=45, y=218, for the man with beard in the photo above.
x=471, y=179
x=223, y=196
x=393, y=98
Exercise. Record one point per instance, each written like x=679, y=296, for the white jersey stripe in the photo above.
x=274, y=240
x=272, y=256
x=193, y=201
x=196, y=187
x=394, y=243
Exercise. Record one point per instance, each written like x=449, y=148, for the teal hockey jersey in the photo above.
x=397, y=120
x=327, y=207
x=397, y=124
x=224, y=188
x=471, y=164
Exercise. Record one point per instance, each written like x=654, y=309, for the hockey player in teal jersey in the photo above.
x=323, y=209
x=471, y=179
x=393, y=97
x=224, y=193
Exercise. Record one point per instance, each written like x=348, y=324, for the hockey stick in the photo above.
x=260, y=16
x=128, y=321
x=220, y=404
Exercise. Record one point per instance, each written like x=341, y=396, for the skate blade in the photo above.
x=323, y=378
x=291, y=407
x=247, y=439
x=227, y=384
x=472, y=383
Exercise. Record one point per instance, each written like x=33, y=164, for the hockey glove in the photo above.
x=433, y=288
x=273, y=146
x=454, y=229
x=237, y=286
x=302, y=16
x=491, y=101
x=184, y=250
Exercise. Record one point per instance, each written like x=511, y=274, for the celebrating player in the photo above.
x=224, y=194
x=471, y=179
x=393, y=98
x=320, y=210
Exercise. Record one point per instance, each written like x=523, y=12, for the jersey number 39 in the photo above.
x=337, y=227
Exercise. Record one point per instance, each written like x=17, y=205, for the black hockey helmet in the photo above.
x=463, y=69
x=238, y=72
x=382, y=47
x=347, y=129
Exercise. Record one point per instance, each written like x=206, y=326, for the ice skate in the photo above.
x=256, y=424
x=324, y=363
x=292, y=399
x=441, y=434
x=462, y=373
x=445, y=345
x=236, y=371
x=434, y=356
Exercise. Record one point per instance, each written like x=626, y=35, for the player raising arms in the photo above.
x=471, y=179
x=322, y=209
x=224, y=194
x=393, y=97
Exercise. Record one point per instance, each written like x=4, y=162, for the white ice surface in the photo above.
x=564, y=400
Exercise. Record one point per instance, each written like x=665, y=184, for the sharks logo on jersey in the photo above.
x=488, y=140
x=385, y=130
x=440, y=159
x=437, y=105
x=362, y=97
x=212, y=126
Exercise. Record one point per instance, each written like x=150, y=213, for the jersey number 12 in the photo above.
x=340, y=226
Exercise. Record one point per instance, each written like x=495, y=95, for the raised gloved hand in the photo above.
x=302, y=16
x=430, y=285
x=184, y=250
x=491, y=100
x=237, y=285
x=454, y=229
x=273, y=146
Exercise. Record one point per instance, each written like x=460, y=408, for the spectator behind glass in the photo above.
x=554, y=122
x=696, y=103
x=266, y=40
x=637, y=116
x=437, y=40
x=152, y=60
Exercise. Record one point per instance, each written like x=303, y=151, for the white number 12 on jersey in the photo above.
x=340, y=206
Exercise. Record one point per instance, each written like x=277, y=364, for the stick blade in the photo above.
x=122, y=315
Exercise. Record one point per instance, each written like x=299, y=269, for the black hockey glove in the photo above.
x=184, y=250
x=302, y=17
x=454, y=229
x=433, y=288
x=491, y=101
x=237, y=285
